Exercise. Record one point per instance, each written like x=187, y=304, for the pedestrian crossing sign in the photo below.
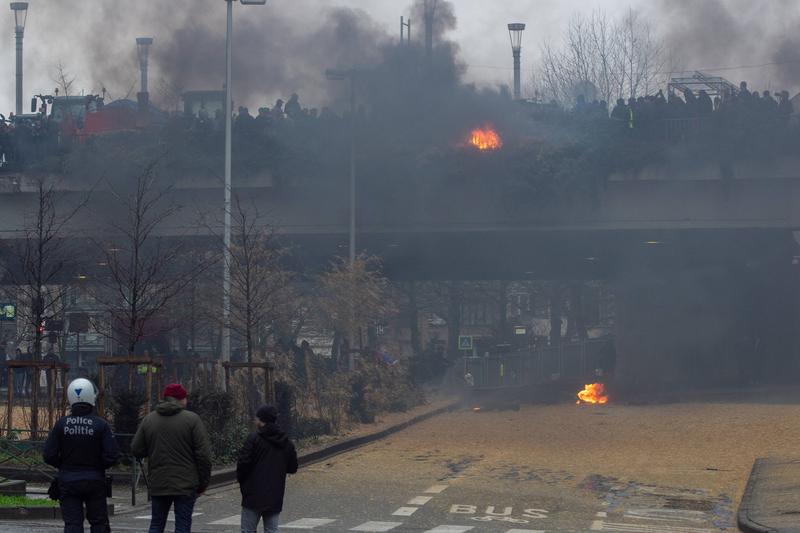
x=465, y=342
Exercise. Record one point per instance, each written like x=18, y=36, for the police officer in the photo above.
x=82, y=446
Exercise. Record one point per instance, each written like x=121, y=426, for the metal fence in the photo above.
x=568, y=362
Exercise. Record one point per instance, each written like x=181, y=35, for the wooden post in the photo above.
x=267, y=386
x=51, y=395
x=64, y=402
x=148, y=388
x=35, y=404
x=10, y=403
x=160, y=384
x=102, y=393
x=227, y=378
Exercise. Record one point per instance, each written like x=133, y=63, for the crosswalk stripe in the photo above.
x=170, y=516
x=436, y=489
x=449, y=529
x=234, y=520
x=405, y=511
x=377, y=526
x=420, y=500
x=599, y=525
x=309, y=523
x=525, y=531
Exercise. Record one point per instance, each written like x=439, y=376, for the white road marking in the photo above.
x=170, y=516
x=525, y=531
x=667, y=515
x=405, y=511
x=601, y=514
x=234, y=520
x=449, y=529
x=308, y=523
x=599, y=525
x=419, y=500
x=436, y=489
x=377, y=526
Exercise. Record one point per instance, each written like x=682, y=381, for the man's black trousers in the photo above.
x=90, y=493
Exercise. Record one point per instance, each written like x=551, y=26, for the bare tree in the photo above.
x=144, y=272
x=601, y=58
x=38, y=271
x=63, y=79
x=354, y=296
x=261, y=292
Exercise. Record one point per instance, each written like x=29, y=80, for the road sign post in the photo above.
x=465, y=343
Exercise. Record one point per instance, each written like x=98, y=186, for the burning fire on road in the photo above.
x=485, y=139
x=593, y=393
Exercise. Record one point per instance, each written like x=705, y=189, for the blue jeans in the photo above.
x=184, y=505
x=250, y=520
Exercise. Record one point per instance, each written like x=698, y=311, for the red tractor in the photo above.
x=80, y=117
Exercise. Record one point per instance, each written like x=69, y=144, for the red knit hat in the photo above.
x=175, y=390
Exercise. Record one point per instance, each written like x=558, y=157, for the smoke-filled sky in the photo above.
x=285, y=46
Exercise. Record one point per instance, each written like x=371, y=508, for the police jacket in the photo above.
x=81, y=445
x=264, y=460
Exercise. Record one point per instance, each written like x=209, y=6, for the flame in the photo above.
x=485, y=139
x=594, y=393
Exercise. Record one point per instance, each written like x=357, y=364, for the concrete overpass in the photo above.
x=704, y=268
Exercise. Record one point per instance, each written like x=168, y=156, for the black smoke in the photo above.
x=737, y=39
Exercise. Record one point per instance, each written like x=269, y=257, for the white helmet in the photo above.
x=81, y=390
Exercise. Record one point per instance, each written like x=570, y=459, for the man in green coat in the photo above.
x=178, y=453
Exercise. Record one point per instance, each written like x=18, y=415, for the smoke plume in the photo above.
x=736, y=39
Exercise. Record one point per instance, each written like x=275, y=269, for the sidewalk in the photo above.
x=771, y=501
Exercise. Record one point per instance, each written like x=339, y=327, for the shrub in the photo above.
x=305, y=428
x=225, y=431
x=126, y=408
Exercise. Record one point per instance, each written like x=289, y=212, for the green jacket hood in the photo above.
x=169, y=408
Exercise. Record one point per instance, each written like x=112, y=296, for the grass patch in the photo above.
x=22, y=501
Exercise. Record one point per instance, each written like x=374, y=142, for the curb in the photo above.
x=227, y=476
x=743, y=519
x=37, y=512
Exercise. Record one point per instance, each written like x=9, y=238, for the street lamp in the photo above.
x=341, y=75
x=515, y=33
x=226, y=273
x=20, y=10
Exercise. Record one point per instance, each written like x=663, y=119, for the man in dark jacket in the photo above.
x=82, y=446
x=178, y=453
x=264, y=460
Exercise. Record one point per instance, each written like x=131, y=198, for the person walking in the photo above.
x=178, y=452
x=265, y=459
x=82, y=446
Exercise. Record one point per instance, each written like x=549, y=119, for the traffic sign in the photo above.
x=465, y=342
x=8, y=312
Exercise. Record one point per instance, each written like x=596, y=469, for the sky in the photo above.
x=94, y=39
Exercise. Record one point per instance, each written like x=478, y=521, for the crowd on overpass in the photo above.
x=685, y=109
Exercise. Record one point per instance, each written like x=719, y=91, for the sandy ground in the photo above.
x=708, y=443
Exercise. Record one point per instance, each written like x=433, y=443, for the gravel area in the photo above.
x=708, y=443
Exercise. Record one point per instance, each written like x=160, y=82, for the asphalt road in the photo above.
x=412, y=482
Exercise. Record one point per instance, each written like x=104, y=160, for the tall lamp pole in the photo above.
x=515, y=33
x=341, y=75
x=226, y=273
x=20, y=10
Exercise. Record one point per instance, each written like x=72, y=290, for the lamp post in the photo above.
x=226, y=272
x=20, y=10
x=515, y=33
x=341, y=75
